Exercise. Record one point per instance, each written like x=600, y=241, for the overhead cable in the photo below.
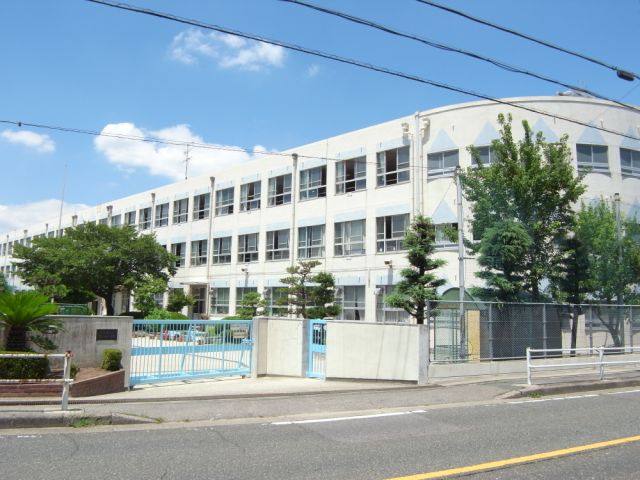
x=622, y=73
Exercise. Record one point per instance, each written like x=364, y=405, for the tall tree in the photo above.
x=94, y=260
x=531, y=183
x=4, y=285
x=419, y=284
x=311, y=295
x=145, y=294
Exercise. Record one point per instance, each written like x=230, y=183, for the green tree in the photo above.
x=249, y=305
x=178, y=300
x=419, y=282
x=22, y=314
x=4, y=285
x=311, y=295
x=94, y=260
x=531, y=183
x=144, y=296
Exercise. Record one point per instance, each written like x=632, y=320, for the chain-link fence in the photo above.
x=492, y=331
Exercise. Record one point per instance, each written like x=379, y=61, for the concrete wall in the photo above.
x=375, y=351
x=281, y=343
x=79, y=336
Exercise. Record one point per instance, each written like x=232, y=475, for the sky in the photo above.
x=85, y=66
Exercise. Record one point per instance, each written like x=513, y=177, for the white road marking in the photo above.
x=572, y=397
x=341, y=419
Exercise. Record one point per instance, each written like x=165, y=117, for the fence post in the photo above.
x=66, y=379
x=491, y=331
x=544, y=327
x=631, y=327
x=589, y=309
x=601, y=360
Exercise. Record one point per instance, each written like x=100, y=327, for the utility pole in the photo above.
x=616, y=200
x=64, y=184
x=186, y=162
x=461, y=282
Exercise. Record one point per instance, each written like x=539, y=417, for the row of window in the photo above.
x=350, y=239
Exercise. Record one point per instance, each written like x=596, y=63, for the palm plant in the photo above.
x=24, y=312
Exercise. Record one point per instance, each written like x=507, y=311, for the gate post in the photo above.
x=423, y=352
x=304, y=348
x=255, y=346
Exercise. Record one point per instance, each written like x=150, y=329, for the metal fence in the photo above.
x=166, y=350
x=474, y=330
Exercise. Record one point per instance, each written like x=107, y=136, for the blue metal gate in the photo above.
x=317, y=349
x=165, y=350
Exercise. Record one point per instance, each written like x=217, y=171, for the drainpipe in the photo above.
x=207, y=301
x=294, y=200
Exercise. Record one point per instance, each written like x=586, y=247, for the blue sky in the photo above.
x=77, y=64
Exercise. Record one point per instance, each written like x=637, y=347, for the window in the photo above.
x=201, y=205
x=224, y=201
x=162, y=215
x=250, y=196
x=145, y=219
x=487, y=155
x=351, y=298
x=278, y=245
x=313, y=183
x=199, y=295
x=311, y=241
x=116, y=220
x=350, y=238
x=130, y=218
x=390, y=232
x=280, y=190
x=592, y=156
x=221, y=250
x=630, y=162
x=248, y=248
x=385, y=313
x=393, y=166
x=241, y=292
x=220, y=300
x=198, y=253
x=181, y=210
x=351, y=175
x=442, y=163
x=180, y=251
x=276, y=300
x=103, y=221
x=445, y=234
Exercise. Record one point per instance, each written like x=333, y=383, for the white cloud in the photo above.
x=12, y=217
x=313, y=70
x=40, y=143
x=167, y=160
x=228, y=51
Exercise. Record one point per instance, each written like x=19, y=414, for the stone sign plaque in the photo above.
x=107, y=334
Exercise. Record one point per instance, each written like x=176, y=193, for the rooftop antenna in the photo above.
x=64, y=184
x=186, y=162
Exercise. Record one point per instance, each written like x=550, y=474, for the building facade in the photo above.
x=347, y=202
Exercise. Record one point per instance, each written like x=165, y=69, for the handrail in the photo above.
x=592, y=351
x=66, y=377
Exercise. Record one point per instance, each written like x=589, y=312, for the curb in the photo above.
x=568, y=388
x=67, y=419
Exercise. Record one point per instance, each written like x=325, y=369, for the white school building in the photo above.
x=347, y=201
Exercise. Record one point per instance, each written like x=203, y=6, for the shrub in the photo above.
x=73, y=370
x=24, y=368
x=159, y=314
x=111, y=358
x=134, y=314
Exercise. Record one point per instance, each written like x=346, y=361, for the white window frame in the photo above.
x=250, y=196
x=351, y=175
x=441, y=238
x=389, y=238
x=198, y=253
x=393, y=166
x=632, y=158
x=221, y=251
x=278, y=243
x=181, y=211
x=352, y=301
x=586, y=155
x=347, y=242
x=385, y=313
x=224, y=201
x=130, y=218
x=439, y=163
x=248, y=248
x=201, y=206
x=311, y=241
x=220, y=300
x=161, y=215
x=144, y=218
x=313, y=183
x=180, y=250
x=279, y=190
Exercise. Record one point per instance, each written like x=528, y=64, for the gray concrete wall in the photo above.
x=375, y=351
x=79, y=336
x=281, y=349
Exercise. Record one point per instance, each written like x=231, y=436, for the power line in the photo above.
x=449, y=48
x=349, y=61
x=623, y=74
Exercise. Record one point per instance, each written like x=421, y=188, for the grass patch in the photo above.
x=535, y=395
x=84, y=422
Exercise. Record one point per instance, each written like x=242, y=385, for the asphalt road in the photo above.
x=377, y=447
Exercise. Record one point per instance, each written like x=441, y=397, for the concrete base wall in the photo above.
x=280, y=345
x=375, y=351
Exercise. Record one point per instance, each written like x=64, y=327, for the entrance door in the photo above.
x=317, y=348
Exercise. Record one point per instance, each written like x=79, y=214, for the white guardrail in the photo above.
x=66, y=377
x=600, y=351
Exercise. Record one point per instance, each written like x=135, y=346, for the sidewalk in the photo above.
x=210, y=400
